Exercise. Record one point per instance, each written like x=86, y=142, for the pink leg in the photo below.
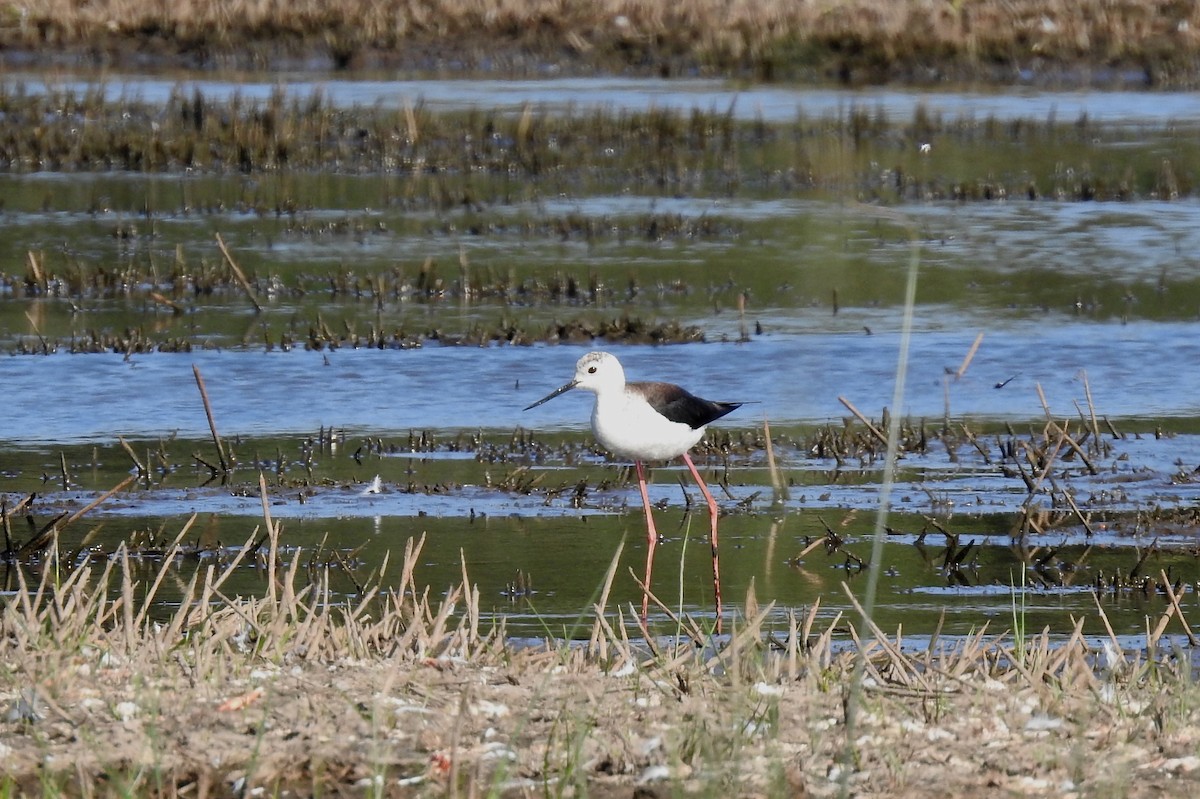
x=651, y=538
x=712, y=515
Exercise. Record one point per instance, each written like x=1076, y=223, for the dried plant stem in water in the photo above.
x=858, y=415
x=239, y=274
x=966, y=361
x=212, y=424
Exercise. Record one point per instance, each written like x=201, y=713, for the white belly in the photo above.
x=634, y=430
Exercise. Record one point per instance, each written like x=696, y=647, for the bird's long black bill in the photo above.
x=552, y=395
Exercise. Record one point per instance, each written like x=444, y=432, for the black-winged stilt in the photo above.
x=648, y=421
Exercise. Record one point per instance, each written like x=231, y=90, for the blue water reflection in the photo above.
x=769, y=103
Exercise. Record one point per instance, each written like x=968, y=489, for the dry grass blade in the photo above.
x=273, y=530
x=1074, y=445
x=44, y=537
x=747, y=638
x=867, y=422
x=1078, y=513
x=473, y=595
x=244, y=550
x=602, y=631
x=971, y=652
x=1087, y=392
x=1187, y=628
x=49, y=532
x=685, y=624
x=778, y=486
x=175, y=307
x=438, y=628
x=410, y=120
x=966, y=361
x=1112, y=636
x=238, y=274
x=814, y=544
x=35, y=267
x=141, y=468
x=900, y=667
x=164, y=569
x=1061, y=431
x=609, y=577
x=79, y=514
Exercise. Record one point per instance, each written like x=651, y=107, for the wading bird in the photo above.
x=648, y=422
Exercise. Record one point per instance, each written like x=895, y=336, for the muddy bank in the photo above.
x=1126, y=43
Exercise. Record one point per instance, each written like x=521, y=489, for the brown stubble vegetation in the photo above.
x=841, y=39
x=107, y=690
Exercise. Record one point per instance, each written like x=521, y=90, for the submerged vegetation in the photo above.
x=302, y=173
x=470, y=161
x=1098, y=41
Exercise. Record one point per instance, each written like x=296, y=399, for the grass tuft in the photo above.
x=403, y=688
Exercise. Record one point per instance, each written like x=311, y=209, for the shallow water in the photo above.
x=796, y=378
x=1071, y=298
x=742, y=101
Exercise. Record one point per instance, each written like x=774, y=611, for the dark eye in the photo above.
x=591, y=370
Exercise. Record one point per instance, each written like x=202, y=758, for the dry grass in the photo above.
x=766, y=38
x=106, y=691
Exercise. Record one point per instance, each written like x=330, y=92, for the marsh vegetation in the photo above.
x=1128, y=42
x=274, y=522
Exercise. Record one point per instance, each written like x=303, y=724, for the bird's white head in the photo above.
x=599, y=371
x=595, y=372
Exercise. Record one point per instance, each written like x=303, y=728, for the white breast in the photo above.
x=626, y=426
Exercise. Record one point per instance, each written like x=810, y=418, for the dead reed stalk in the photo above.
x=779, y=489
x=239, y=274
x=212, y=424
x=867, y=422
x=966, y=361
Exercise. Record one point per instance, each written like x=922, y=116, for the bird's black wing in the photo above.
x=679, y=405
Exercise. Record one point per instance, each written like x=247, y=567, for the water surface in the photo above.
x=795, y=291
